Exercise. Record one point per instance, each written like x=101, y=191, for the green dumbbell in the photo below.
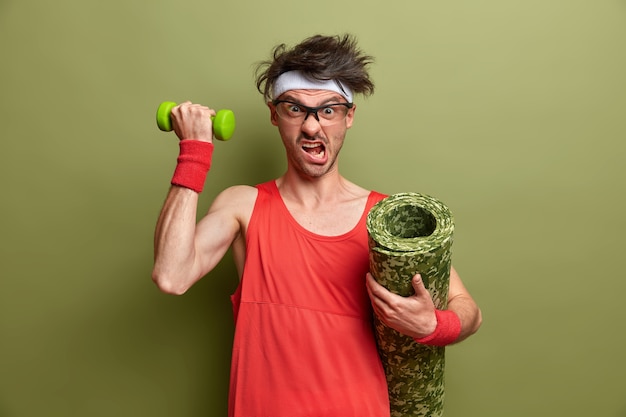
x=223, y=121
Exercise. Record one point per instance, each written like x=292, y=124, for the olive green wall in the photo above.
x=512, y=112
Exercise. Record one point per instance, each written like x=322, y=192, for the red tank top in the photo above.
x=304, y=344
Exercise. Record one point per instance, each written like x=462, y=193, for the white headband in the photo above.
x=296, y=80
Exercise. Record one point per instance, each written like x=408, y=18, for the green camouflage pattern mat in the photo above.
x=411, y=233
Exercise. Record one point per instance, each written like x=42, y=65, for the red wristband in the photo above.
x=194, y=161
x=447, y=330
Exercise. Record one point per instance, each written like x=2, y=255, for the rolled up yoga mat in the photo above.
x=411, y=233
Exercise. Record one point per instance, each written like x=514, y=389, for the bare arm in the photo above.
x=414, y=316
x=461, y=302
x=183, y=250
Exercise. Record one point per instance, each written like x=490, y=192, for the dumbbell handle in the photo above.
x=223, y=121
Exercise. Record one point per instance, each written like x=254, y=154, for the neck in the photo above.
x=329, y=205
x=311, y=191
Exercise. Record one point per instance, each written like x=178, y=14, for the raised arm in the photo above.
x=184, y=250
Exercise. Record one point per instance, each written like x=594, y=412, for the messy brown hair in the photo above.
x=321, y=58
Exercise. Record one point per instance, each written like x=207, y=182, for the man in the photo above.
x=304, y=343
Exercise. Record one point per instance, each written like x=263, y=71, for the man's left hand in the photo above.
x=413, y=316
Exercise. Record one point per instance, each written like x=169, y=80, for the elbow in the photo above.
x=478, y=321
x=168, y=284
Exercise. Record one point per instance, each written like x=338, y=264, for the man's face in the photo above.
x=312, y=146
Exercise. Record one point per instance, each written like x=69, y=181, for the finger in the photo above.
x=375, y=290
x=202, y=111
x=179, y=110
x=421, y=292
x=418, y=286
x=370, y=285
x=182, y=105
x=377, y=299
x=369, y=280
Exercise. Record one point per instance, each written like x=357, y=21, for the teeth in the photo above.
x=322, y=150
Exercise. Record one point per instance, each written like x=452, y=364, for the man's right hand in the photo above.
x=193, y=121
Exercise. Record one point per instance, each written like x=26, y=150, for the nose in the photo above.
x=312, y=125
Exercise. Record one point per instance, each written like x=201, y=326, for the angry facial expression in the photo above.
x=312, y=147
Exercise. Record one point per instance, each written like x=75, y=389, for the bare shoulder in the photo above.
x=229, y=213
x=238, y=200
x=234, y=206
x=354, y=190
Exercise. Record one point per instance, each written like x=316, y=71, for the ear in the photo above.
x=350, y=117
x=273, y=114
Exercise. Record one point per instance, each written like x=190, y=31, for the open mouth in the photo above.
x=316, y=150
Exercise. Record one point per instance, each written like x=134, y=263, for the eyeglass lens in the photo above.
x=326, y=114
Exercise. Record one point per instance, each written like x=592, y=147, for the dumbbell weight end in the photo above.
x=223, y=121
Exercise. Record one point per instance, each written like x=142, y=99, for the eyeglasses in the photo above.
x=296, y=113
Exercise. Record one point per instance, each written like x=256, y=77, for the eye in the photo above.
x=328, y=111
x=293, y=108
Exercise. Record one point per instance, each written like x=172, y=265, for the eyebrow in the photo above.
x=330, y=100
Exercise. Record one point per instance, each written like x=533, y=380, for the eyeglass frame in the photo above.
x=313, y=110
